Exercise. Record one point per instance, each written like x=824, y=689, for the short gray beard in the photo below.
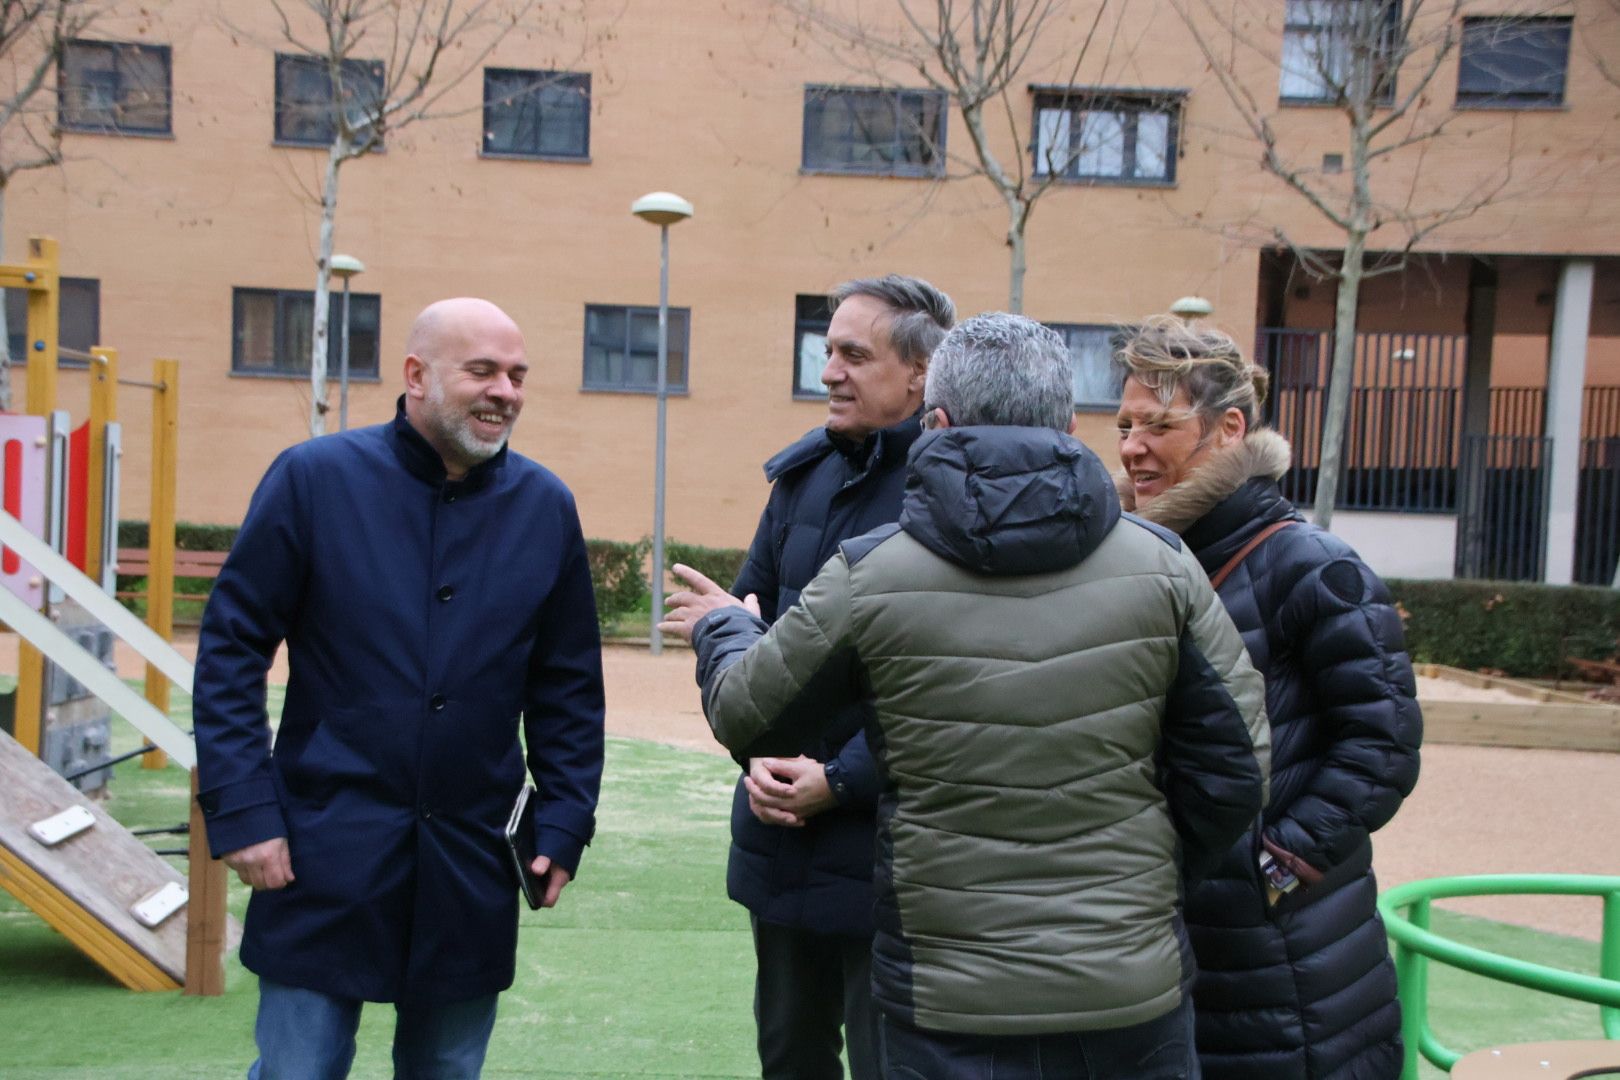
x=459, y=429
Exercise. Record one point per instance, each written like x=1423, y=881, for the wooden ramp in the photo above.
x=86, y=885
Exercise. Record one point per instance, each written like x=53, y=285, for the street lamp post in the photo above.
x=1189, y=308
x=663, y=209
x=345, y=267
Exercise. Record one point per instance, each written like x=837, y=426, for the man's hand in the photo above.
x=685, y=608
x=265, y=865
x=787, y=791
x=556, y=879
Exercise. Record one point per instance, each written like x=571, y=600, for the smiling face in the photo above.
x=869, y=386
x=464, y=381
x=1161, y=445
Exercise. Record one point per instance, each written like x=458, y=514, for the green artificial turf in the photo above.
x=644, y=971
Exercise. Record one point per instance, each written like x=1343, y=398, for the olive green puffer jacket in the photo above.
x=1066, y=719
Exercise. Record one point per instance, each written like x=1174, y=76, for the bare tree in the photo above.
x=975, y=53
x=32, y=35
x=1374, y=62
x=366, y=69
x=1601, y=35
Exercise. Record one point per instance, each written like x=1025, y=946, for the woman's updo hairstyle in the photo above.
x=1165, y=354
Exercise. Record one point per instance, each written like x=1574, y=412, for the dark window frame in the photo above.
x=681, y=343
x=67, y=333
x=814, y=159
x=1385, y=91
x=580, y=81
x=1512, y=99
x=1132, y=103
x=359, y=369
x=807, y=322
x=357, y=73
x=1115, y=337
x=65, y=91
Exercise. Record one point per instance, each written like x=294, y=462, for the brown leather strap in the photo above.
x=1243, y=552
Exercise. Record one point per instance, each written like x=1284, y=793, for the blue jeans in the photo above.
x=307, y=1035
x=1160, y=1049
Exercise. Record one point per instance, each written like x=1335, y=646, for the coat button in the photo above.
x=427, y=811
x=450, y=497
x=437, y=702
x=446, y=592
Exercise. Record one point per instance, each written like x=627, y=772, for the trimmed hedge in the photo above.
x=619, y=575
x=1517, y=628
x=721, y=565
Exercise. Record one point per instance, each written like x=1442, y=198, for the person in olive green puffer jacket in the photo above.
x=1067, y=722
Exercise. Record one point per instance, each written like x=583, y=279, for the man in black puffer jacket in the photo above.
x=802, y=822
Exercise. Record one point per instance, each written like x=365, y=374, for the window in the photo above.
x=1513, y=63
x=885, y=132
x=1321, y=39
x=78, y=319
x=114, y=88
x=305, y=100
x=811, y=317
x=621, y=347
x=543, y=114
x=1112, y=136
x=1097, y=379
x=271, y=331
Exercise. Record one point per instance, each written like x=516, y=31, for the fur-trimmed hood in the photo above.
x=1262, y=453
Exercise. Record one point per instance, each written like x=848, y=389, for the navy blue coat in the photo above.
x=1305, y=989
x=819, y=877
x=424, y=619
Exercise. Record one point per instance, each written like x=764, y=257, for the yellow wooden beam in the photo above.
x=206, y=921
x=44, y=311
x=13, y=276
x=30, y=706
x=103, y=411
x=160, y=530
x=88, y=934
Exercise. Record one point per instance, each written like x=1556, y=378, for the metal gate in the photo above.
x=1502, y=516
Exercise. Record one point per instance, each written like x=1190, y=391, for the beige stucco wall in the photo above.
x=703, y=98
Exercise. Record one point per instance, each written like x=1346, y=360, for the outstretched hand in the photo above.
x=684, y=608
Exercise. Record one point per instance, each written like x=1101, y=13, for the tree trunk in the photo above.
x=1015, y=242
x=323, y=296
x=1340, y=379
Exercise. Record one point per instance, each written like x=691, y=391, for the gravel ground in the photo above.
x=1476, y=810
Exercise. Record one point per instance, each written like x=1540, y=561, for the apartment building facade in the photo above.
x=187, y=209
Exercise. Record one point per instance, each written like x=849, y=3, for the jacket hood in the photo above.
x=1262, y=454
x=1007, y=500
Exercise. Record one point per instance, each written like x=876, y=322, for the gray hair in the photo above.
x=1165, y=354
x=1000, y=369
x=921, y=316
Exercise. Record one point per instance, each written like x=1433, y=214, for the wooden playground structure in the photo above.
x=64, y=857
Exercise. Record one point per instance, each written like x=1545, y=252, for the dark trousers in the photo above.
x=1160, y=1049
x=807, y=986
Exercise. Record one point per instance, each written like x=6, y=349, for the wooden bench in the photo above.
x=137, y=562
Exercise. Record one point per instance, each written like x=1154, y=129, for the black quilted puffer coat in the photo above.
x=1303, y=988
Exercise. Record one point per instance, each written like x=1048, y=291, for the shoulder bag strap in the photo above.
x=1243, y=552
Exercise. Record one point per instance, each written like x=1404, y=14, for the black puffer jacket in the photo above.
x=1303, y=989
x=819, y=877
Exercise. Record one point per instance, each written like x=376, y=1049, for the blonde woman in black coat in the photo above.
x=1295, y=979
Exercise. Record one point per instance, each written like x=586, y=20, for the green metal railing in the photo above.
x=1405, y=909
